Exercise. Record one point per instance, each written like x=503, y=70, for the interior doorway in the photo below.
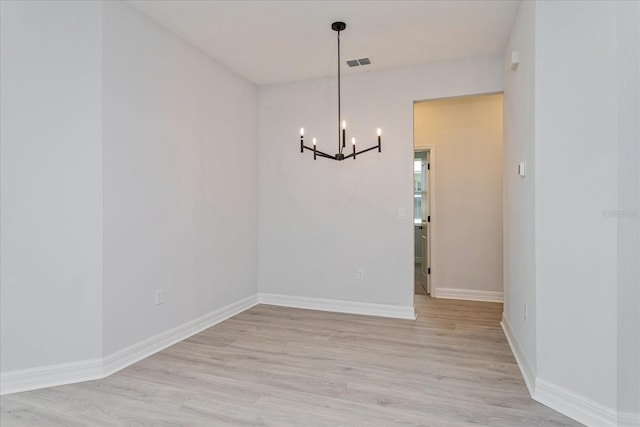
x=422, y=220
x=458, y=249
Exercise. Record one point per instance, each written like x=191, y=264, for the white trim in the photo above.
x=86, y=370
x=93, y=369
x=136, y=352
x=573, y=405
x=526, y=369
x=564, y=401
x=431, y=148
x=433, y=230
x=339, y=306
x=50, y=376
x=468, y=294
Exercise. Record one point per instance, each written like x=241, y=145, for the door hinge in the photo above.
x=429, y=218
x=428, y=166
x=429, y=270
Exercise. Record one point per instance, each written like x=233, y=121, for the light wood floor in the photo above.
x=418, y=286
x=283, y=367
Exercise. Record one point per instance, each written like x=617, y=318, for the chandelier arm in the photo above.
x=375, y=147
x=306, y=147
x=325, y=155
x=319, y=153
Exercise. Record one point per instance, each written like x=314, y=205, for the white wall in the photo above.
x=180, y=171
x=467, y=136
x=321, y=220
x=519, y=192
x=628, y=92
x=583, y=131
x=128, y=165
x=576, y=179
x=51, y=293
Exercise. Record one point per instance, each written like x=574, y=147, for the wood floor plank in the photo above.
x=276, y=366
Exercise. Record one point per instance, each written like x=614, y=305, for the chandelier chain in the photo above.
x=339, y=103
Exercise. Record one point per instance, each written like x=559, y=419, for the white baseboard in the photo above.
x=526, y=369
x=580, y=408
x=86, y=370
x=468, y=294
x=339, y=306
x=566, y=402
x=138, y=351
x=50, y=376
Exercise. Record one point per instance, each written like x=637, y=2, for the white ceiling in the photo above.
x=281, y=41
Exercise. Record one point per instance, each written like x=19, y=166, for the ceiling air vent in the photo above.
x=357, y=62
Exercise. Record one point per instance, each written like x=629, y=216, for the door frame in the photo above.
x=431, y=148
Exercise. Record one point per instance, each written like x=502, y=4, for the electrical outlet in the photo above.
x=360, y=274
x=526, y=311
x=159, y=297
x=402, y=213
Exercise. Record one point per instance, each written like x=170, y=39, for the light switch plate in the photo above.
x=515, y=60
x=521, y=169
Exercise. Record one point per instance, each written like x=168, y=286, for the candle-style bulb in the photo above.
x=379, y=132
x=314, y=141
x=301, y=131
x=353, y=141
x=344, y=124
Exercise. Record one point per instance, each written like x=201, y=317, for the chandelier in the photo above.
x=342, y=133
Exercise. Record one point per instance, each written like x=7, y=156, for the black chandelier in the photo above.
x=339, y=26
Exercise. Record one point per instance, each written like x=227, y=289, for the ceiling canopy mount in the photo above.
x=338, y=26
